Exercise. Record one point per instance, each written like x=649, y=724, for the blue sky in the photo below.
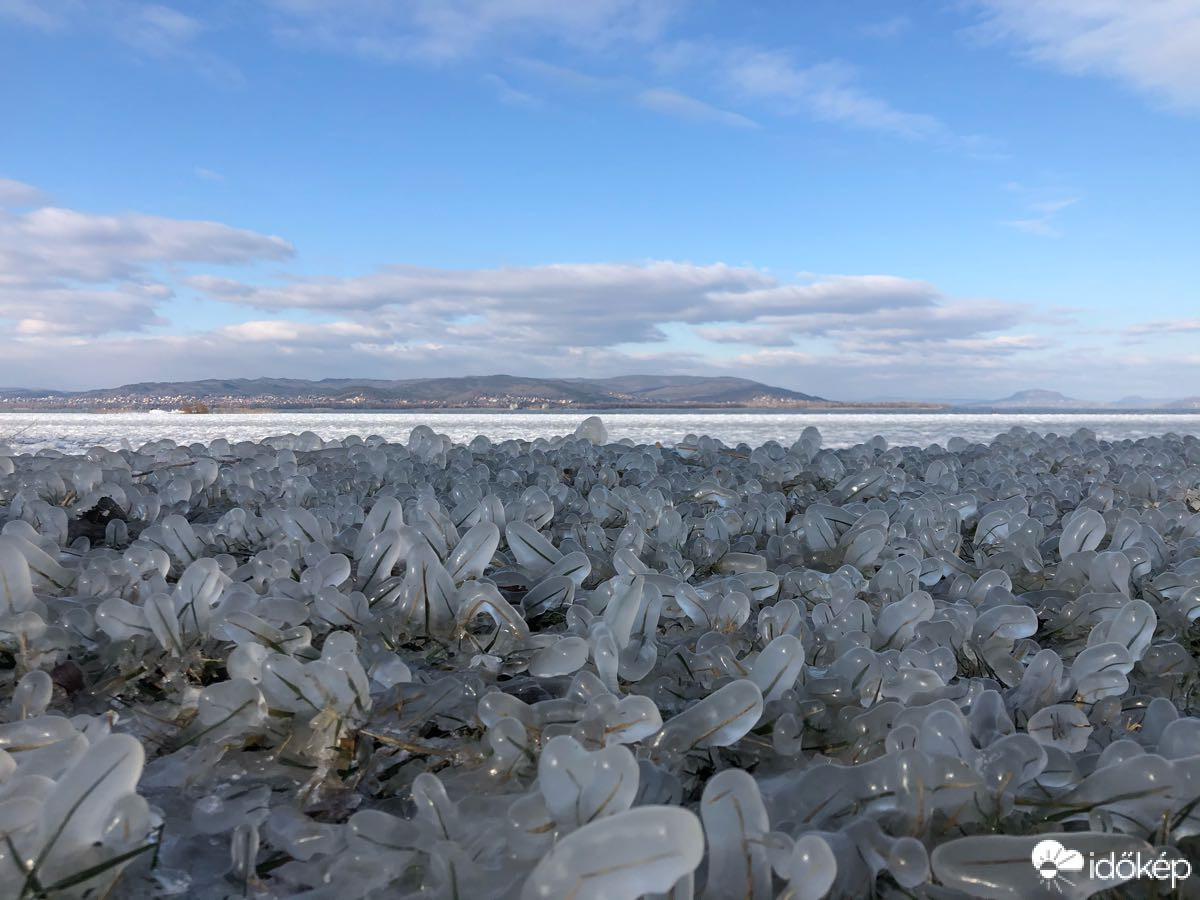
x=860, y=199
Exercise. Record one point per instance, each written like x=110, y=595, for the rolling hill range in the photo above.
x=490, y=391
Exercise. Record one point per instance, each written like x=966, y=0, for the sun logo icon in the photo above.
x=1052, y=860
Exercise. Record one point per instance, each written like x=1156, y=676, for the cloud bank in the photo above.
x=77, y=286
x=1151, y=45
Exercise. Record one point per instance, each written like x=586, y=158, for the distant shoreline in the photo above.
x=212, y=409
x=845, y=409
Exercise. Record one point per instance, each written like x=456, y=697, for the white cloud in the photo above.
x=1043, y=214
x=755, y=335
x=827, y=91
x=49, y=310
x=312, y=334
x=612, y=288
x=887, y=28
x=602, y=313
x=157, y=30
x=1040, y=227
x=149, y=30
x=1165, y=326
x=869, y=325
x=446, y=30
x=46, y=15
x=846, y=294
x=910, y=372
x=508, y=94
x=64, y=271
x=14, y=194
x=673, y=103
x=564, y=76
x=587, y=304
x=78, y=286
x=1152, y=45
x=55, y=243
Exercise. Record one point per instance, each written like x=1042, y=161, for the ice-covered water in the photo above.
x=74, y=432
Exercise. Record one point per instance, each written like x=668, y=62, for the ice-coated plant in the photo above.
x=575, y=667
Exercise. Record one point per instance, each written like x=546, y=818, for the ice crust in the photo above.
x=572, y=667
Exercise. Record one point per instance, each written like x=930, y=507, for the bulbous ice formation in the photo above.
x=579, y=667
x=592, y=429
x=642, y=851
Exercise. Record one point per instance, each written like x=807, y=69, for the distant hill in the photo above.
x=1038, y=399
x=698, y=389
x=1035, y=399
x=518, y=392
x=495, y=391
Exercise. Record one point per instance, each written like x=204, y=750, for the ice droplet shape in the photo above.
x=641, y=851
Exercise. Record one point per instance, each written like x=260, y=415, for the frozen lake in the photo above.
x=75, y=432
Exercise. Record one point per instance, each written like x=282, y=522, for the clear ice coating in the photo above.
x=641, y=851
x=574, y=667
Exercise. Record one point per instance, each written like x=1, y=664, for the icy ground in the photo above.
x=78, y=432
x=579, y=668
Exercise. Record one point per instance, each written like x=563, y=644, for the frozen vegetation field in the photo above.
x=599, y=660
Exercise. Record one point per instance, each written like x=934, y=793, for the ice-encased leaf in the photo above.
x=484, y=599
x=121, y=620
x=1132, y=627
x=735, y=822
x=44, y=570
x=531, y=551
x=810, y=868
x=428, y=598
x=178, y=538
x=1063, y=725
x=230, y=708
x=32, y=695
x=1084, y=530
x=287, y=685
x=604, y=652
x=782, y=618
x=622, y=610
x=474, y=552
x=778, y=666
x=579, y=786
x=575, y=566
x=379, y=831
x=566, y=655
x=550, y=593
x=640, y=851
x=387, y=514
x=898, y=621
x=439, y=816
x=720, y=719
x=380, y=555
x=626, y=721
x=83, y=800
x=510, y=747
x=198, y=590
x=159, y=612
x=16, y=588
x=1100, y=670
